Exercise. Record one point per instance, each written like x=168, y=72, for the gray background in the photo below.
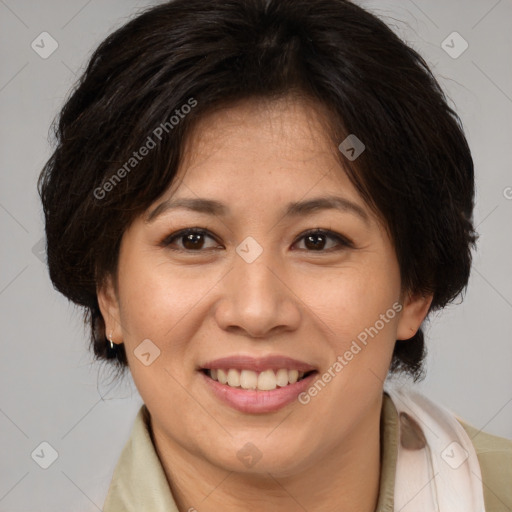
x=51, y=389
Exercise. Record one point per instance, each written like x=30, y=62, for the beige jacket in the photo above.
x=139, y=482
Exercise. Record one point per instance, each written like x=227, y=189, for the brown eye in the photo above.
x=190, y=239
x=317, y=240
x=193, y=240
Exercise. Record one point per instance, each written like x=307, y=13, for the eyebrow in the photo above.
x=295, y=209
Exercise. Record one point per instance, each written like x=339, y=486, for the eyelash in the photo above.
x=342, y=241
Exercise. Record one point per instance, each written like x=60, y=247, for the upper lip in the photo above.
x=258, y=364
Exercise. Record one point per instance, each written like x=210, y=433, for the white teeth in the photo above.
x=233, y=378
x=267, y=380
x=248, y=379
x=221, y=376
x=293, y=376
x=282, y=377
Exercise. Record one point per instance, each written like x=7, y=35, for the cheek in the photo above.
x=359, y=311
x=354, y=299
x=167, y=304
x=156, y=294
x=158, y=303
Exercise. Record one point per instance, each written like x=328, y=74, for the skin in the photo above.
x=295, y=300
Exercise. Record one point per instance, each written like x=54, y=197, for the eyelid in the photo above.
x=342, y=240
x=166, y=242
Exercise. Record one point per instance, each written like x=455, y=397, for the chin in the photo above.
x=261, y=458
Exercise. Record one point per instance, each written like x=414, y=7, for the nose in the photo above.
x=258, y=300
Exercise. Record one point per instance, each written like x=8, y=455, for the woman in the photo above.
x=258, y=203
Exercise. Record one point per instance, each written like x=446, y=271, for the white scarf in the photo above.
x=437, y=466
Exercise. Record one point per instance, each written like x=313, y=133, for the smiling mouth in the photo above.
x=267, y=380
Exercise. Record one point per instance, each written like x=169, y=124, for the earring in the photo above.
x=111, y=342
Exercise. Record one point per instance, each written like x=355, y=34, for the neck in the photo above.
x=347, y=477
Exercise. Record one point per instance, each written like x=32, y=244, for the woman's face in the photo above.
x=254, y=285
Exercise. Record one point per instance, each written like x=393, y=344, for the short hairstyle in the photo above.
x=154, y=77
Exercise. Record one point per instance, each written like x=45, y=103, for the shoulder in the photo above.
x=495, y=457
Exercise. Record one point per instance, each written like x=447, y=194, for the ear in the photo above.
x=110, y=310
x=415, y=309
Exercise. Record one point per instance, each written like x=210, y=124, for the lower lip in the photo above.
x=250, y=401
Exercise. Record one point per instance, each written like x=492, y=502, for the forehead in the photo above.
x=290, y=122
x=259, y=159
x=284, y=144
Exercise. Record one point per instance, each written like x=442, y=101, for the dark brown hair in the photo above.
x=416, y=172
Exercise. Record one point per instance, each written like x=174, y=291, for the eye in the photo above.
x=315, y=240
x=192, y=240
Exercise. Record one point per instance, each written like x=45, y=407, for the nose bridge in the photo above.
x=256, y=300
x=256, y=285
